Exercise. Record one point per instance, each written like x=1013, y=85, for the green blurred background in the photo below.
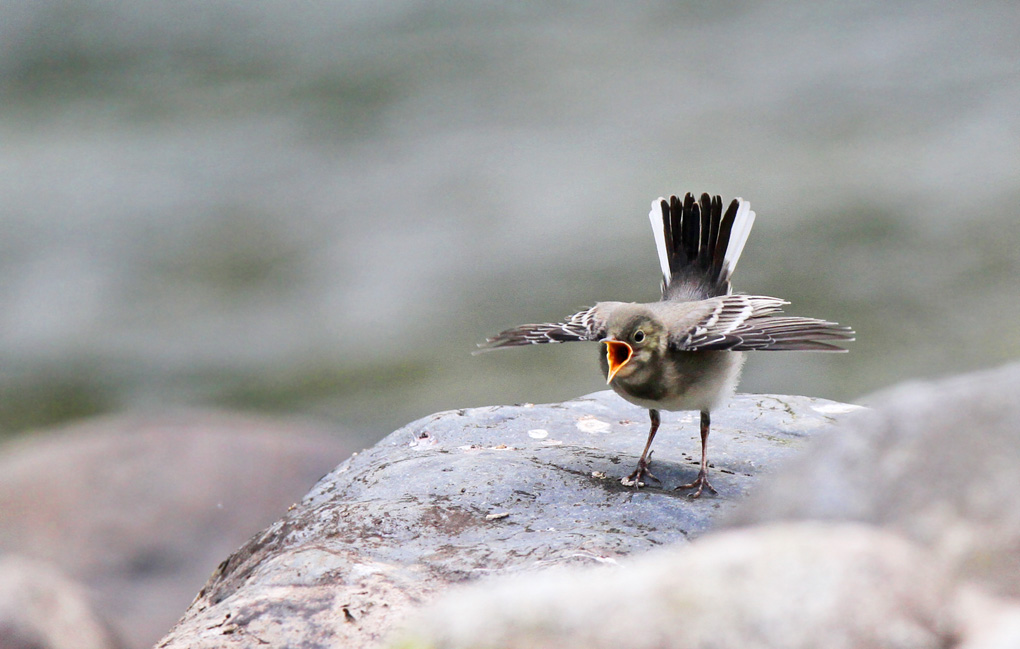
x=319, y=208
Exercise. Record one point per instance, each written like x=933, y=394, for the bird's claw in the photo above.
x=634, y=479
x=700, y=483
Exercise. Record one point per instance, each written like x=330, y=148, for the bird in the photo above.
x=685, y=352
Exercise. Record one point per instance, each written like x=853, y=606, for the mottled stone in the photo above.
x=788, y=586
x=938, y=462
x=468, y=494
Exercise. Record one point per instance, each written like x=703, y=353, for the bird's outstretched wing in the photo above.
x=589, y=324
x=753, y=322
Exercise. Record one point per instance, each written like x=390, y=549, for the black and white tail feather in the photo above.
x=698, y=247
x=698, y=244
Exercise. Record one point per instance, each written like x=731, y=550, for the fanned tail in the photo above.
x=698, y=244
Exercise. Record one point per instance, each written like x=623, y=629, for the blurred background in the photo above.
x=315, y=210
x=320, y=209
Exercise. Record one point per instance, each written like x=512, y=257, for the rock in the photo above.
x=789, y=586
x=983, y=621
x=41, y=608
x=488, y=491
x=897, y=529
x=938, y=462
x=140, y=510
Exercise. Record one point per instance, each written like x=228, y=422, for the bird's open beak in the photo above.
x=618, y=354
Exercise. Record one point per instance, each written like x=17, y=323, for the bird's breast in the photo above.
x=683, y=381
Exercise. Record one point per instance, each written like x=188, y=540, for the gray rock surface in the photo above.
x=900, y=529
x=468, y=494
x=938, y=462
x=139, y=510
x=791, y=586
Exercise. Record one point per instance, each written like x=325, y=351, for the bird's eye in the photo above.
x=639, y=336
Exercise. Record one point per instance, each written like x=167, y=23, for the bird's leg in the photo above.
x=701, y=482
x=646, y=456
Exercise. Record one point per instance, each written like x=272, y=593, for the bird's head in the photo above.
x=633, y=338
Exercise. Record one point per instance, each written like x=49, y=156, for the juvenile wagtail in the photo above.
x=684, y=351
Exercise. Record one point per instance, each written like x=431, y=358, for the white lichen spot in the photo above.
x=591, y=424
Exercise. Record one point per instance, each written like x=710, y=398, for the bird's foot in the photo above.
x=641, y=472
x=700, y=483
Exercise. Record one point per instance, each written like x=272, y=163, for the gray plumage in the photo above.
x=729, y=322
x=683, y=352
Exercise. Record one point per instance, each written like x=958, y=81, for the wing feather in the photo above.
x=752, y=322
x=589, y=324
